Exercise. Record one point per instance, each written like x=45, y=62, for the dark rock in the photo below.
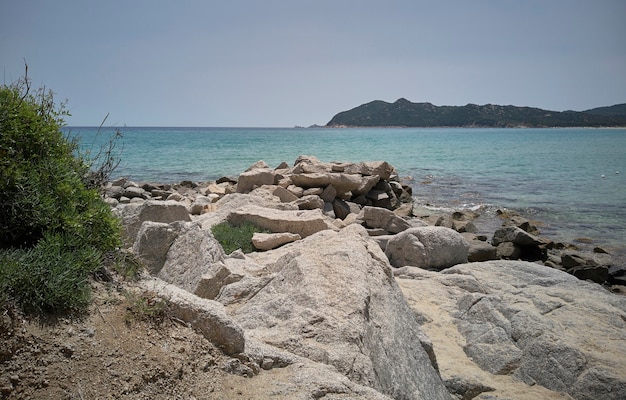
x=515, y=235
x=465, y=390
x=508, y=251
x=481, y=251
x=595, y=273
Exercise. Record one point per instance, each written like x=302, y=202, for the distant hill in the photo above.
x=404, y=113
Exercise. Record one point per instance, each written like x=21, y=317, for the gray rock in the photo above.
x=329, y=194
x=303, y=222
x=194, y=261
x=515, y=235
x=538, y=325
x=376, y=217
x=309, y=202
x=254, y=178
x=334, y=301
x=427, y=247
x=508, y=251
x=133, y=191
x=206, y=316
x=153, y=242
x=268, y=241
x=341, y=182
x=481, y=251
x=133, y=215
x=283, y=194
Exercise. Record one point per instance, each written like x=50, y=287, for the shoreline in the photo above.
x=479, y=225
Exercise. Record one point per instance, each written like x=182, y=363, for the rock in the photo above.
x=310, y=164
x=268, y=241
x=481, y=251
x=333, y=301
x=375, y=217
x=465, y=390
x=300, y=378
x=133, y=215
x=382, y=169
x=132, y=192
x=114, y=192
x=341, y=182
x=204, y=315
x=341, y=208
x=515, y=235
x=329, y=194
x=546, y=330
x=427, y=247
x=258, y=165
x=313, y=191
x=283, y=194
x=309, y=202
x=296, y=190
x=202, y=204
x=193, y=261
x=595, y=273
x=303, y=222
x=508, y=251
x=153, y=242
x=254, y=178
x=570, y=260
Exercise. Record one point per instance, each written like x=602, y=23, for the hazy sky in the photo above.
x=290, y=62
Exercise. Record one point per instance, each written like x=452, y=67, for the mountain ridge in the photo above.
x=403, y=113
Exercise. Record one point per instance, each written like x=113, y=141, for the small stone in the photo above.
x=267, y=363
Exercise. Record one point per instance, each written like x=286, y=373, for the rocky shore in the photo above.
x=357, y=293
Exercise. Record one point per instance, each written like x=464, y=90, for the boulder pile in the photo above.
x=354, y=294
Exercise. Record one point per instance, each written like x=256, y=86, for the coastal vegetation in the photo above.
x=403, y=113
x=55, y=228
x=233, y=237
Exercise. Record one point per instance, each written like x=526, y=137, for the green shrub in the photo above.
x=54, y=227
x=233, y=237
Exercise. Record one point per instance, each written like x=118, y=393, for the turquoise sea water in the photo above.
x=567, y=178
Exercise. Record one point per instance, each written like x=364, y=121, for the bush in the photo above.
x=233, y=237
x=54, y=228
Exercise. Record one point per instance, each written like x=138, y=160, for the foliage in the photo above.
x=233, y=237
x=54, y=227
x=51, y=276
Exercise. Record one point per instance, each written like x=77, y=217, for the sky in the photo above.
x=281, y=63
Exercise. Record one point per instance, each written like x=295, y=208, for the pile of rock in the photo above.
x=365, y=193
x=322, y=296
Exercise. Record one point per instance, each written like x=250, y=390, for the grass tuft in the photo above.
x=233, y=237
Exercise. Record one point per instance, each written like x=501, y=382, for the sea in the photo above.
x=572, y=182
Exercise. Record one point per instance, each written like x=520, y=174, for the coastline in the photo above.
x=479, y=225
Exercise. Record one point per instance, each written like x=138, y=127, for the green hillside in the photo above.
x=404, y=113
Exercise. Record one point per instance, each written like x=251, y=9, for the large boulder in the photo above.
x=526, y=330
x=429, y=247
x=302, y=222
x=204, y=315
x=133, y=215
x=194, y=259
x=254, y=178
x=333, y=300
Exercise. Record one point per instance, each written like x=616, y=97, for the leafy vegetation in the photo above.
x=54, y=226
x=404, y=113
x=233, y=237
